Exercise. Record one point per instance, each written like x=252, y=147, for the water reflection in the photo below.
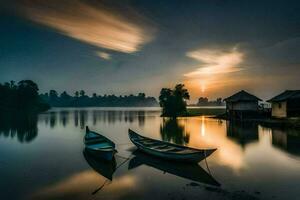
x=172, y=131
x=242, y=132
x=191, y=171
x=64, y=117
x=23, y=126
x=228, y=136
x=244, y=160
x=103, y=167
x=81, y=117
x=287, y=140
x=53, y=119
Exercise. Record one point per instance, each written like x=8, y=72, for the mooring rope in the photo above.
x=107, y=180
x=102, y=186
x=206, y=163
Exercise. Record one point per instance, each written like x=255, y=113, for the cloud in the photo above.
x=215, y=61
x=103, y=55
x=94, y=24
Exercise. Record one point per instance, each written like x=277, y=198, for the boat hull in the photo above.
x=104, y=154
x=99, y=145
x=196, y=156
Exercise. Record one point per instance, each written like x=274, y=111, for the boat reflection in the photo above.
x=191, y=171
x=103, y=167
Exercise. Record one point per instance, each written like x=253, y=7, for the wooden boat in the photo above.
x=168, y=150
x=99, y=145
x=190, y=171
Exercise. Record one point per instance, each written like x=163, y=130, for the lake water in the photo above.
x=43, y=158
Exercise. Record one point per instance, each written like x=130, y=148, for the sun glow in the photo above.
x=214, y=67
x=202, y=84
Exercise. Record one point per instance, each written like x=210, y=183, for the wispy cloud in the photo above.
x=215, y=61
x=94, y=24
x=103, y=55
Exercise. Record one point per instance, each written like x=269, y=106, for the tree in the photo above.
x=76, y=94
x=23, y=96
x=219, y=101
x=82, y=93
x=53, y=94
x=173, y=102
x=142, y=95
x=202, y=101
x=27, y=93
x=64, y=95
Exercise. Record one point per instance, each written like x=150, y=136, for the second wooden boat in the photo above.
x=99, y=145
x=168, y=150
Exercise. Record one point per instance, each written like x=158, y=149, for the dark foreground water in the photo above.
x=43, y=157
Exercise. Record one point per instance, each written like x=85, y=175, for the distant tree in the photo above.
x=53, y=94
x=202, y=101
x=173, y=102
x=13, y=85
x=29, y=85
x=219, y=101
x=7, y=85
x=21, y=97
x=27, y=93
x=76, y=94
x=82, y=93
x=64, y=95
x=81, y=99
x=142, y=95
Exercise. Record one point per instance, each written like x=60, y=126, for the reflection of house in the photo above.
x=286, y=104
x=242, y=132
x=241, y=103
x=288, y=140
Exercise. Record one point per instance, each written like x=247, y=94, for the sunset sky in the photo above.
x=214, y=47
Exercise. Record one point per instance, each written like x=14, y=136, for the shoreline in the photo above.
x=266, y=121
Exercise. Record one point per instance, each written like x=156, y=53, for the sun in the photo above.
x=203, y=86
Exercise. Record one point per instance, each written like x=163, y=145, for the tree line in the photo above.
x=22, y=96
x=203, y=101
x=80, y=99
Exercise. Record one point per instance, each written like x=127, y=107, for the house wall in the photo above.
x=279, y=109
x=293, y=108
x=245, y=106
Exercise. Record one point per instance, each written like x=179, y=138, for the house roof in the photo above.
x=242, y=96
x=286, y=95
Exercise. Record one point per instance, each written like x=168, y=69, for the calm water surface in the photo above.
x=43, y=158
